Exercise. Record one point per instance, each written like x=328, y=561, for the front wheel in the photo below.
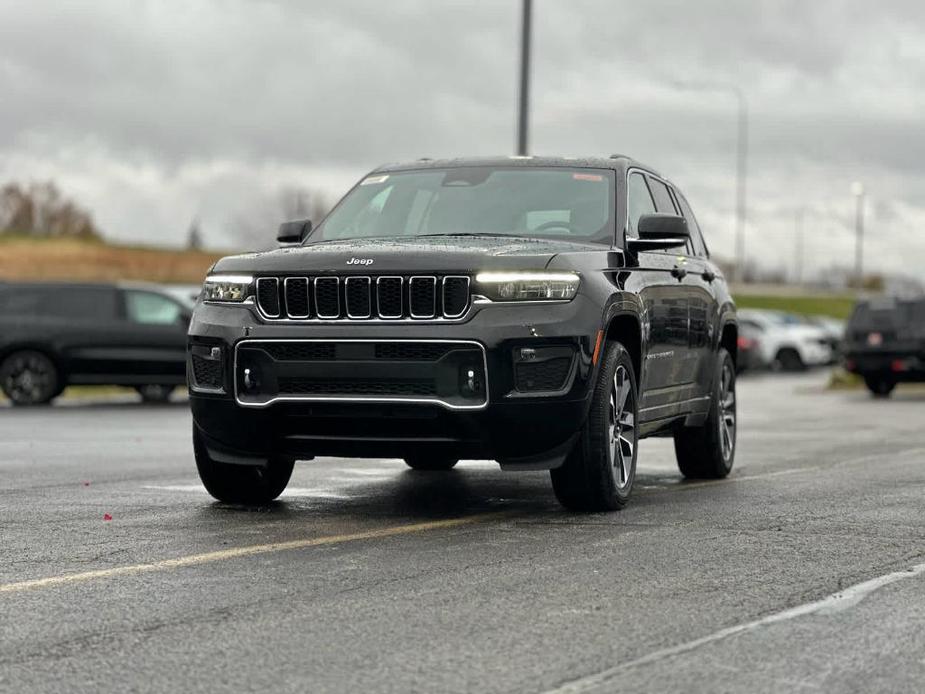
x=240, y=484
x=430, y=463
x=708, y=451
x=29, y=377
x=598, y=474
x=788, y=359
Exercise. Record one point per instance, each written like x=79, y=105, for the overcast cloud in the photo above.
x=151, y=113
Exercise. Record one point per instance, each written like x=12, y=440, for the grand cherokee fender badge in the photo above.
x=360, y=261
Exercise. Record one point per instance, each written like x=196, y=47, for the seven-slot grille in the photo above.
x=361, y=297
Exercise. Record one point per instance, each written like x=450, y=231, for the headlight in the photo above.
x=227, y=288
x=528, y=286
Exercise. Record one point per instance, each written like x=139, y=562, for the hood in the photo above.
x=406, y=256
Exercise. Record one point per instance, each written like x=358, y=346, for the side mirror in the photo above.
x=659, y=232
x=293, y=233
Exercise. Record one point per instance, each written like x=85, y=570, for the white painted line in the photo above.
x=831, y=604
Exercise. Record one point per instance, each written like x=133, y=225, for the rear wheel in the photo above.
x=240, y=484
x=879, y=387
x=599, y=472
x=708, y=451
x=430, y=463
x=788, y=359
x=29, y=377
x=154, y=393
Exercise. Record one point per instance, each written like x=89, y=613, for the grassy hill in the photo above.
x=72, y=259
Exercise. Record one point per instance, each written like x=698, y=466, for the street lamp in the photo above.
x=857, y=190
x=523, y=106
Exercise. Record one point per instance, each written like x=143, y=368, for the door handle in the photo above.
x=708, y=275
x=679, y=272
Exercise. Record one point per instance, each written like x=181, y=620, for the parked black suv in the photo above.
x=885, y=343
x=546, y=313
x=53, y=335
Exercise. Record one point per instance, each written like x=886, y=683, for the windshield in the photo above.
x=477, y=200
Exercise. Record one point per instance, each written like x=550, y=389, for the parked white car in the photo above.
x=787, y=345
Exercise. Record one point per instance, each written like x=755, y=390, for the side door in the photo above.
x=81, y=322
x=704, y=305
x=154, y=336
x=686, y=271
x=664, y=321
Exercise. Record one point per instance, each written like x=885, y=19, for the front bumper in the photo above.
x=506, y=422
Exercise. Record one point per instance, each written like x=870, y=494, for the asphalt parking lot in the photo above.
x=804, y=570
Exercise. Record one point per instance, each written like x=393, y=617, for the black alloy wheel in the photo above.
x=29, y=377
x=708, y=451
x=599, y=472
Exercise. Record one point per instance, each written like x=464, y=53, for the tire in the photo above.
x=788, y=359
x=879, y=387
x=29, y=377
x=708, y=451
x=155, y=393
x=599, y=472
x=431, y=463
x=240, y=484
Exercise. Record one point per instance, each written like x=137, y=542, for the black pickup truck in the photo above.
x=885, y=343
x=546, y=313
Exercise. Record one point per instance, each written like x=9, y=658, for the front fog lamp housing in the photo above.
x=528, y=286
x=227, y=288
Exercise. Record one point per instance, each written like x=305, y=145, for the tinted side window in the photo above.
x=20, y=301
x=700, y=246
x=663, y=201
x=638, y=201
x=81, y=303
x=149, y=308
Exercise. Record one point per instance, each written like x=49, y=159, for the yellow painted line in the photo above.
x=237, y=552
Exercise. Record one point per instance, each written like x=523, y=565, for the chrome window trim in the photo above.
x=336, y=280
x=626, y=217
x=369, y=291
x=308, y=303
x=274, y=280
x=433, y=280
x=365, y=398
x=401, y=297
x=443, y=295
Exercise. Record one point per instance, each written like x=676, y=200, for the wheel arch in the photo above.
x=729, y=339
x=625, y=328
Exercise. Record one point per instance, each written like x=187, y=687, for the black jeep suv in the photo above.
x=546, y=313
x=885, y=343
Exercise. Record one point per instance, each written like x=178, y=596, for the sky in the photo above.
x=151, y=114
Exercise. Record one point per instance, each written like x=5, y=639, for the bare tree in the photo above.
x=194, y=235
x=40, y=210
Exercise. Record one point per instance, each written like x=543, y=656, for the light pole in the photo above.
x=857, y=189
x=798, y=248
x=524, y=96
